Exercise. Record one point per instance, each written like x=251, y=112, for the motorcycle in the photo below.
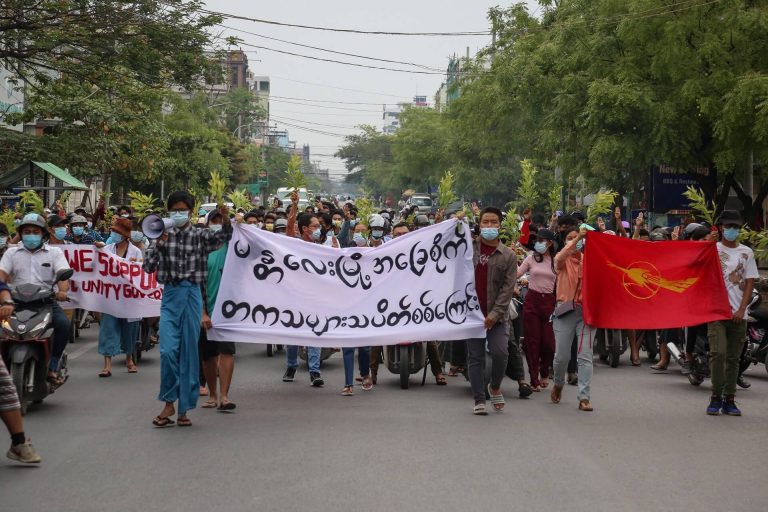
x=610, y=344
x=27, y=339
x=406, y=359
x=756, y=349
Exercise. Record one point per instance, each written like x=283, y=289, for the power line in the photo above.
x=333, y=61
x=331, y=101
x=346, y=30
x=320, y=124
x=332, y=51
x=312, y=130
x=338, y=88
x=288, y=102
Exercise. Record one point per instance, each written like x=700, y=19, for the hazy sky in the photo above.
x=310, y=81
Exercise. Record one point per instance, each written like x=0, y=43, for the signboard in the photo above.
x=668, y=184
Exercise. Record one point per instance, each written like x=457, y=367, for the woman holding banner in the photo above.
x=118, y=335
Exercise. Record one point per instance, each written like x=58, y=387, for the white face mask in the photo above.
x=215, y=227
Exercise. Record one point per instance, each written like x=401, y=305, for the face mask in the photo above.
x=125, y=215
x=259, y=225
x=78, y=230
x=359, y=239
x=540, y=247
x=377, y=233
x=116, y=238
x=60, y=233
x=3, y=241
x=137, y=236
x=731, y=234
x=337, y=223
x=431, y=221
x=179, y=218
x=32, y=242
x=489, y=233
x=269, y=227
x=16, y=222
x=89, y=225
x=353, y=223
x=215, y=227
x=316, y=234
x=580, y=245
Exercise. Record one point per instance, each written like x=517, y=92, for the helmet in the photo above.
x=280, y=224
x=422, y=220
x=658, y=235
x=385, y=214
x=33, y=219
x=376, y=221
x=78, y=219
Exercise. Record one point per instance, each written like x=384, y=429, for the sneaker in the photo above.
x=316, y=379
x=729, y=407
x=743, y=383
x=24, y=453
x=715, y=404
x=289, y=375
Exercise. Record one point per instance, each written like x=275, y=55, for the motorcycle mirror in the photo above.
x=64, y=274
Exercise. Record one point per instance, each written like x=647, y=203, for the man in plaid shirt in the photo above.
x=180, y=258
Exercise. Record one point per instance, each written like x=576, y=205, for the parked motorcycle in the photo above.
x=610, y=344
x=406, y=359
x=756, y=350
x=27, y=339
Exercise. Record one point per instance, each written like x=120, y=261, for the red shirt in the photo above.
x=481, y=276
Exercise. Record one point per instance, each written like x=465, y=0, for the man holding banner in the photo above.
x=180, y=257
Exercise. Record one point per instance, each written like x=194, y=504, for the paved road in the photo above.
x=290, y=447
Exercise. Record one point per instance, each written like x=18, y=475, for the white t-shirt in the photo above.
x=738, y=265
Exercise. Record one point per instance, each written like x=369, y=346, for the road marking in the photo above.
x=82, y=350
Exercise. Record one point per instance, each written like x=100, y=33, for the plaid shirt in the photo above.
x=86, y=239
x=184, y=256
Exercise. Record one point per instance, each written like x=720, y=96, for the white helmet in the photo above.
x=376, y=221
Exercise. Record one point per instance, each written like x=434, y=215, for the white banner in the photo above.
x=109, y=284
x=418, y=287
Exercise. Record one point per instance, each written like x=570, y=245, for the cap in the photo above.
x=33, y=219
x=55, y=220
x=78, y=219
x=730, y=217
x=280, y=224
x=545, y=234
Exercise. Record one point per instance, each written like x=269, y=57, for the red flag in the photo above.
x=632, y=284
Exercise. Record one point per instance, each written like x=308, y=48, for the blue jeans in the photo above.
x=363, y=360
x=61, y=331
x=565, y=329
x=313, y=357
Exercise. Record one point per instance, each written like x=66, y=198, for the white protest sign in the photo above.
x=418, y=287
x=109, y=284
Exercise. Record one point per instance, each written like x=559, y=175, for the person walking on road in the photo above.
x=180, y=258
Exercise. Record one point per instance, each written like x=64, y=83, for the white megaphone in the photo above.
x=153, y=226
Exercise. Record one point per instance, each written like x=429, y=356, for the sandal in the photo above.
x=203, y=391
x=103, y=373
x=210, y=404
x=347, y=391
x=227, y=407
x=557, y=394
x=584, y=405
x=453, y=371
x=496, y=400
x=524, y=390
x=659, y=367
x=183, y=421
x=544, y=384
x=367, y=383
x=440, y=380
x=536, y=389
x=133, y=369
x=479, y=409
x=162, y=421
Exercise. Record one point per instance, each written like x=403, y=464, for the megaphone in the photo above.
x=153, y=226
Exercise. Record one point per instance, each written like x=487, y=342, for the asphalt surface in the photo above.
x=290, y=447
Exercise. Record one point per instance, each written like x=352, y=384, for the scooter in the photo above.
x=406, y=359
x=610, y=344
x=27, y=338
x=756, y=349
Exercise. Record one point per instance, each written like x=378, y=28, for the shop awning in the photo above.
x=34, y=170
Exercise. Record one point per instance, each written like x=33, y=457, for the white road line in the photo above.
x=83, y=349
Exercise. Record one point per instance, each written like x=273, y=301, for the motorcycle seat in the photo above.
x=760, y=314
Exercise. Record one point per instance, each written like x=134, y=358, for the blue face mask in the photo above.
x=137, y=236
x=359, y=239
x=377, y=233
x=731, y=234
x=316, y=234
x=32, y=242
x=3, y=241
x=78, y=230
x=215, y=227
x=352, y=223
x=116, y=238
x=489, y=233
x=179, y=218
x=17, y=222
x=580, y=245
x=540, y=247
x=60, y=233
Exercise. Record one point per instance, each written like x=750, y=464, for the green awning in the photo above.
x=30, y=169
x=60, y=174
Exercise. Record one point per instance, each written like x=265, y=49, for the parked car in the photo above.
x=422, y=201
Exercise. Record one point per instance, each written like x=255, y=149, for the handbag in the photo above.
x=513, y=313
x=568, y=307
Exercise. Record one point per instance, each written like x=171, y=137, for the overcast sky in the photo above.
x=310, y=80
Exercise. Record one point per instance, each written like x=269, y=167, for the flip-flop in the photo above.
x=184, y=422
x=103, y=374
x=440, y=380
x=227, y=407
x=161, y=421
x=210, y=404
x=347, y=391
x=367, y=383
x=133, y=369
x=496, y=400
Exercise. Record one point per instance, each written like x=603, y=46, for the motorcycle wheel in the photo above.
x=615, y=353
x=405, y=366
x=270, y=350
x=17, y=375
x=695, y=380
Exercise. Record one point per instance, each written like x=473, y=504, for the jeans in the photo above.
x=565, y=329
x=313, y=357
x=539, y=336
x=726, y=339
x=363, y=360
x=61, y=331
x=497, y=338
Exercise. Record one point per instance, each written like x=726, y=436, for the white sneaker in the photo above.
x=24, y=453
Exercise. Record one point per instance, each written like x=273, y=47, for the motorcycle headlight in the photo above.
x=8, y=330
x=39, y=328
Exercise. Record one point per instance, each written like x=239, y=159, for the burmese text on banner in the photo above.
x=633, y=284
x=109, y=284
x=418, y=287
